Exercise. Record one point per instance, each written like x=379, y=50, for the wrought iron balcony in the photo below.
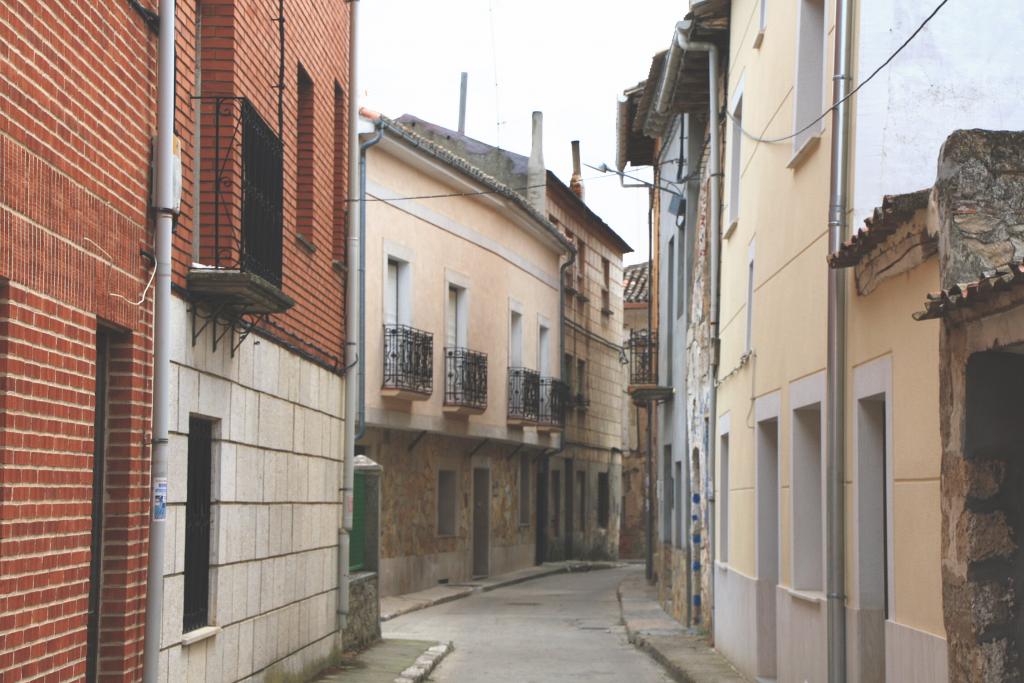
x=465, y=381
x=408, y=362
x=240, y=214
x=523, y=396
x=554, y=399
x=642, y=349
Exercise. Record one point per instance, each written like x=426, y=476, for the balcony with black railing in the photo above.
x=523, y=396
x=465, y=381
x=642, y=353
x=240, y=214
x=552, y=404
x=408, y=363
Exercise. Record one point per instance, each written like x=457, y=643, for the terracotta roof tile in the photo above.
x=965, y=294
x=635, y=281
x=884, y=221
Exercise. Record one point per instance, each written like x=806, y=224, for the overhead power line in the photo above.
x=853, y=92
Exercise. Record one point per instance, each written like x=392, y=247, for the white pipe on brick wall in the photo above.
x=353, y=354
x=161, y=340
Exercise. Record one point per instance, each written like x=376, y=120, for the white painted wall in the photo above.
x=961, y=71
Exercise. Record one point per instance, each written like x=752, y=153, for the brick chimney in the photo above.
x=576, y=182
x=536, y=174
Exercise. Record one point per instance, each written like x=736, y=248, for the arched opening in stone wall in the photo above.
x=988, y=608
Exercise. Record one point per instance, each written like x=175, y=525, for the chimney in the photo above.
x=462, y=102
x=576, y=182
x=536, y=174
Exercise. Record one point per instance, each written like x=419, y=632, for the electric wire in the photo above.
x=474, y=193
x=853, y=92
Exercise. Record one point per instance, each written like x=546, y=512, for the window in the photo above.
x=581, y=383
x=556, y=502
x=396, y=297
x=524, y=490
x=304, y=152
x=197, y=525
x=543, y=352
x=606, y=288
x=807, y=499
x=445, y=502
x=670, y=306
x=568, y=367
x=750, y=300
x=723, y=499
x=603, y=500
x=340, y=206
x=581, y=500
x=810, y=72
x=762, y=22
x=457, y=318
x=735, y=162
x=581, y=266
x=768, y=500
x=515, y=340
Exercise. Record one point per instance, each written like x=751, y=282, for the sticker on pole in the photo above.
x=160, y=500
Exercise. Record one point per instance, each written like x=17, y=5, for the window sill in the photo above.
x=814, y=597
x=731, y=229
x=801, y=153
x=306, y=243
x=197, y=635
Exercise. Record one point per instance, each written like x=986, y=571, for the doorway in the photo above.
x=98, y=490
x=767, y=543
x=481, y=521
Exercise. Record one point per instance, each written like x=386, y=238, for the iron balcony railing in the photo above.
x=642, y=348
x=553, y=401
x=523, y=394
x=241, y=191
x=408, y=359
x=465, y=378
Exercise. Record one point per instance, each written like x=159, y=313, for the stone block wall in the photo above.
x=363, y=627
x=276, y=462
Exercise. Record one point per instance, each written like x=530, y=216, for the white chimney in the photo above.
x=536, y=174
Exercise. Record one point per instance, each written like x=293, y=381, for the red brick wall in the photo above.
x=239, y=46
x=77, y=112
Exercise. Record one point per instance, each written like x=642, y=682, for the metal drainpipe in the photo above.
x=715, y=229
x=651, y=345
x=161, y=340
x=361, y=428
x=353, y=352
x=836, y=368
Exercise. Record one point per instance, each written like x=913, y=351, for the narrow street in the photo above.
x=560, y=628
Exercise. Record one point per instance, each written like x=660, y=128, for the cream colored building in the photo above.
x=761, y=519
x=462, y=324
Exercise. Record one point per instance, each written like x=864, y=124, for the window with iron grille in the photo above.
x=197, y=525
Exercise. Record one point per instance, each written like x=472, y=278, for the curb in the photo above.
x=487, y=588
x=425, y=663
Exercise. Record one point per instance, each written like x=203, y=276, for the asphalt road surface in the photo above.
x=560, y=628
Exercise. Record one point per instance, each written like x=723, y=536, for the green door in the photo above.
x=357, y=538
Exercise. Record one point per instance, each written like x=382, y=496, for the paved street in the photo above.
x=559, y=628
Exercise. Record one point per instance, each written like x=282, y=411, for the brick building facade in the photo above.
x=78, y=114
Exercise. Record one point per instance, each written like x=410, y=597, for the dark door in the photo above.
x=570, y=524
x=481, y=521
x=542, y=514
x=96, y=544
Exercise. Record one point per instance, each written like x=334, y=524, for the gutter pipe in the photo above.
x=161, y=340
x=835, y=559
x=682, y=43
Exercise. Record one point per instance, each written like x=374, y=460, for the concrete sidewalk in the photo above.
x=398, y=605
x=687, y=657
x=389, y=661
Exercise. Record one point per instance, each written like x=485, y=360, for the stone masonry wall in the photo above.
x=275, y=506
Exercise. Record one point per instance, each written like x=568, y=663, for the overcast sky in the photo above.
x=570, y=59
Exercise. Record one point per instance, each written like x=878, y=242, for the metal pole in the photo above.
x=836, y=368
x=352, y=351
x=161, y=341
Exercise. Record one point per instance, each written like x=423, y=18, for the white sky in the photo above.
x=570, y=59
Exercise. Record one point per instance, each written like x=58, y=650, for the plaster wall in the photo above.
x=276, y=462
x=473, y=243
